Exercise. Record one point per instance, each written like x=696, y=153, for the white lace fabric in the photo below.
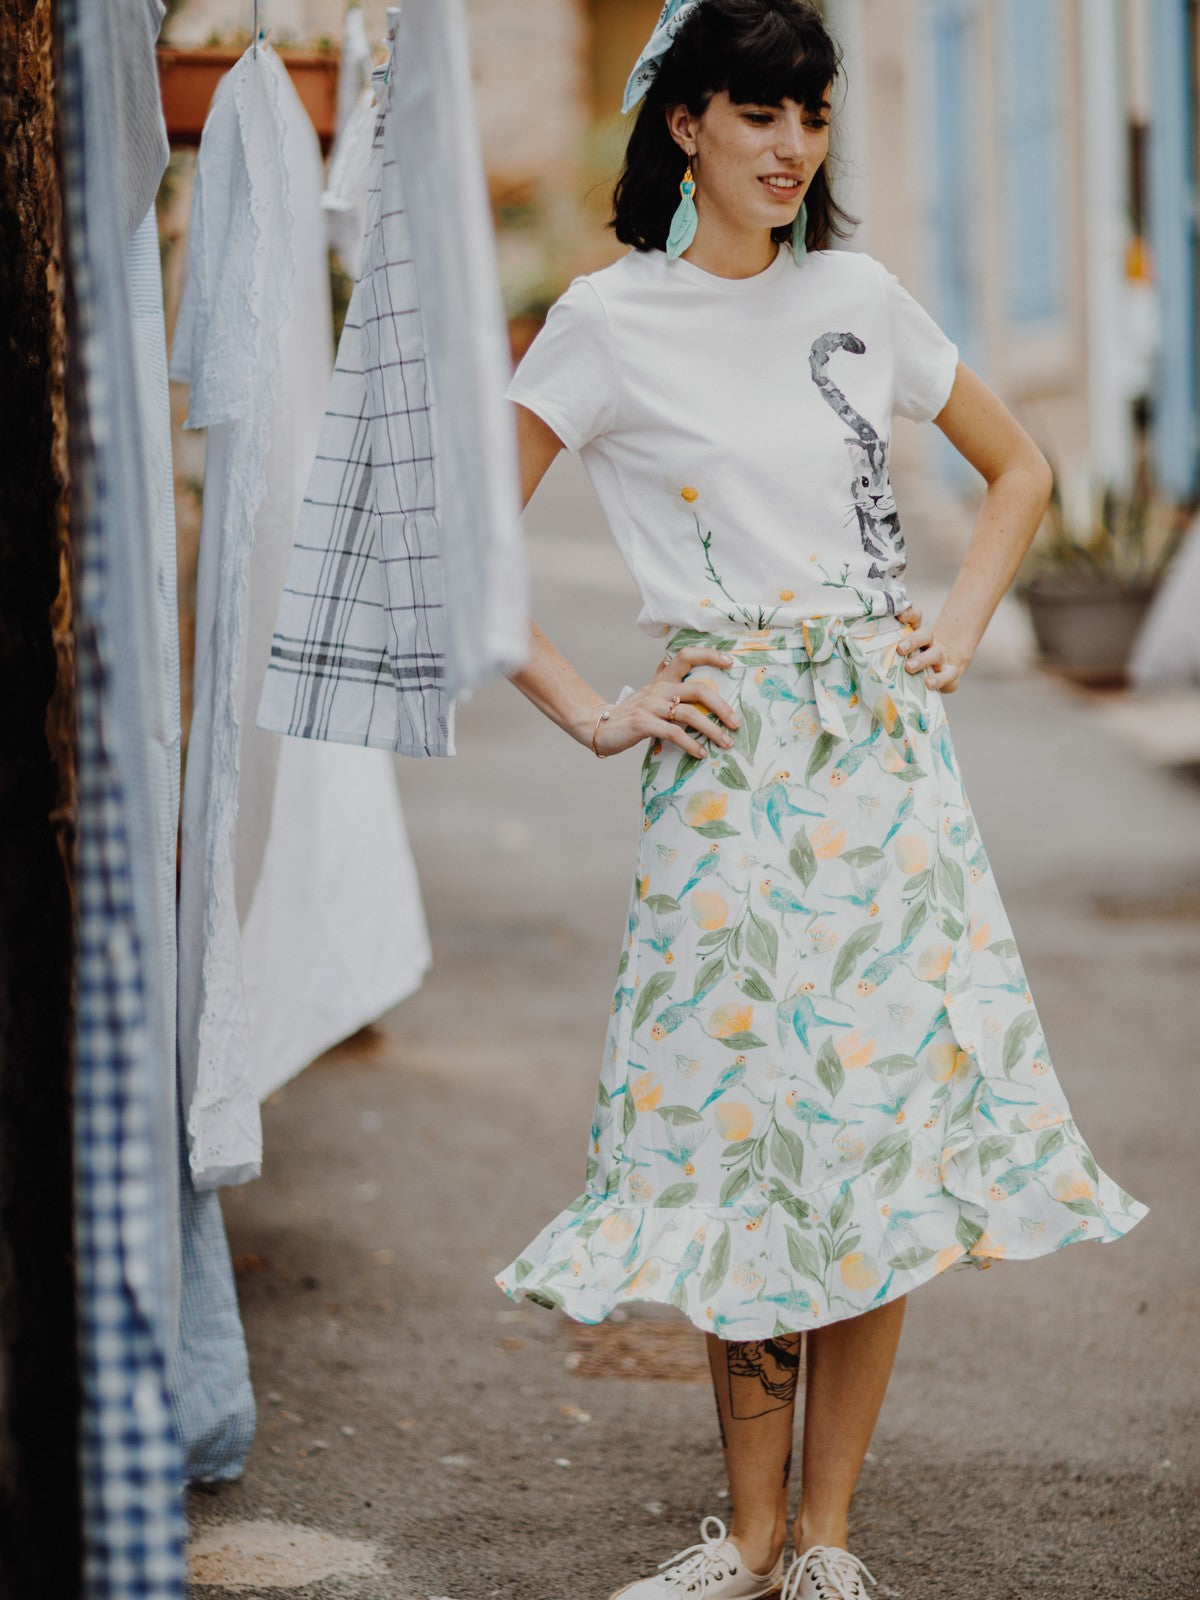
x=826, y=1572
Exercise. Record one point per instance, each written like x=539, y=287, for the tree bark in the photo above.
x=39, y=1406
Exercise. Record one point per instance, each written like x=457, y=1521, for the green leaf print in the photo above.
x=715, y=830
x=894, y=1174
x=797, y=1208
x=622, y=963
x=891, y=1144
x=1016, y=1037
x=968, y=1233
x=802, y=1255
x=746, y=735
x=1049, y=1142
x=802, y=859
x=602, y=1095
x=897, y=1063
x=628, y=1115
x=522, y=1269
x=916, y=915
x=662, y=904
x=1005, y=948
x=993, y=1148
x=650, y=995
x=735, y=1184
x=731, y=775
x=762, y=942
x=550, y=1298
x=679, y=1194
x=950, y=880
x=755, y=986
x=679, y=1116
x=841, y=1209
x=862, y=939
x=821, y=753
x=735, y=943
x=1088, y=1162
x=718, y=1266
x=743, y=1041
x=709, y=975
x=863, y=855
x=912, y=1258
x=830, y=1069
x=733, y=1153
x=687, y=765
x=951, y=927
x=787, y=1153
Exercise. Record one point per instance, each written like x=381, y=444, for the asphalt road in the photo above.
x=1039, y=1439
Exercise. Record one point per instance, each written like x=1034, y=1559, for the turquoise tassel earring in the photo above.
x=683, y=223
x=799, y=232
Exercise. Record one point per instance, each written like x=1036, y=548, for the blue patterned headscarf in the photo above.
x=674, y=14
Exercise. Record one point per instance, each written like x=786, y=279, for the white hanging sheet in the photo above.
x=300, y=915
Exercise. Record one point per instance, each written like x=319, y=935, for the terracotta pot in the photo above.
x=1085, y=627
x=189, y=80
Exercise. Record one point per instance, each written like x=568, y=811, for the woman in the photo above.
x=825, y=1081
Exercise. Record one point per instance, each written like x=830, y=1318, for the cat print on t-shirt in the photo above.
x=873, y=503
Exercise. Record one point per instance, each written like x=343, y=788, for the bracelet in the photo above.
x=605, y=713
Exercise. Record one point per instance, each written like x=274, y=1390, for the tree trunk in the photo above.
x=39, y=1489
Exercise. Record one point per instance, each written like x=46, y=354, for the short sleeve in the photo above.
x=924, y=359
x=568, y=376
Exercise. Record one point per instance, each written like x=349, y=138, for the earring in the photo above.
x=683, y=223
x=799, y=231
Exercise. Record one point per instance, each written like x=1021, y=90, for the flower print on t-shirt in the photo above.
x=744, y=616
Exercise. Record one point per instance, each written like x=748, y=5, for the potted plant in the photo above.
x=1089, y=578
x=189, y=79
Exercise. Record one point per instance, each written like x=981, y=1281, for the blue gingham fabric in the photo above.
x=112, y=150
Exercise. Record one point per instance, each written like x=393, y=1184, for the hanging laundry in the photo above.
x=407, y=583
x=300, y=916
x=113, y=150
x=345, y=197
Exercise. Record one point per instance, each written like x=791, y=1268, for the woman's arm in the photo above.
x=984, y=431
x=550, y=681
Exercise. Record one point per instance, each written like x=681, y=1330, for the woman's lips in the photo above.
x=785, y=192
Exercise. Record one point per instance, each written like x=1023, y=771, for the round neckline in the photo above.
x=735, y=285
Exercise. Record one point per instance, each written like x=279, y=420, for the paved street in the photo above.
x=1040, y=1437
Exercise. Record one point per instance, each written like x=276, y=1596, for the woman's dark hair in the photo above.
x=761, y=52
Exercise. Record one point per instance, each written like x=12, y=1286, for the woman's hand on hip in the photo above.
x=694, y=716
x=943, y=667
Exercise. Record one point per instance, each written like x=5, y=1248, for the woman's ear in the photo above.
x=681, y=125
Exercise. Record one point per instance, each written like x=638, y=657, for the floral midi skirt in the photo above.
x=824, y=1080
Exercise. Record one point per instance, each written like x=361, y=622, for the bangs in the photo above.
x=769, y=65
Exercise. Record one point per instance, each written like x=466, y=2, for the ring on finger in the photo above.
x=674, y=708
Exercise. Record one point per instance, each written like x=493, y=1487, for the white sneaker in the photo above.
x=713, y=1569
x=825, y=1572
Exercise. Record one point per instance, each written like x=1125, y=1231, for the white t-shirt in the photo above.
x=736, y=429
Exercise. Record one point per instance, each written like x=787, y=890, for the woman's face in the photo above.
x=752, y=163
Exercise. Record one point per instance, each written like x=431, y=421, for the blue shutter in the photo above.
x=1031, y=155
x=955, y=187
x=1172, y=196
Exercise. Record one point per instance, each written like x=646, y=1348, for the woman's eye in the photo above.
x=758, y=116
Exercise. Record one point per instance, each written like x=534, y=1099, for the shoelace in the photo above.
x=693, y=1569
x=835, y=1573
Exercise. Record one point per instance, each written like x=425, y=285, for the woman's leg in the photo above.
x=848, y=1367
x=755, y=1386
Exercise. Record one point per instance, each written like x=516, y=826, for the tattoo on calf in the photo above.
x=763, y=1375
x=787, y=1470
